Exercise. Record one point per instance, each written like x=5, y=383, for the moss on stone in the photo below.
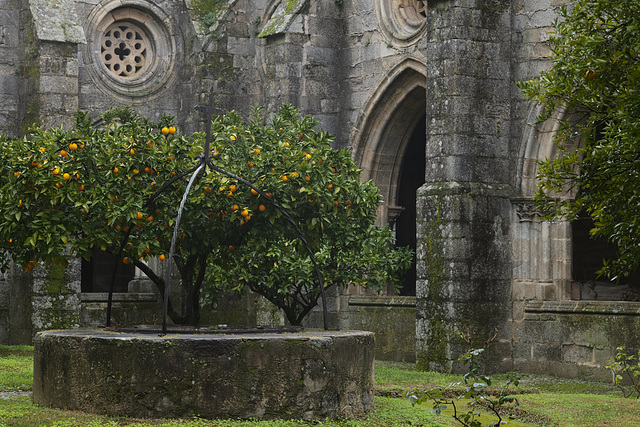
x=435, y=356
x=291, y=5
x=32, y=116
x=206, y=11
x=294, y=344
x=28, y=71
x=281, y=18
x=55, y=281
x=57, y=317
x=272, y=26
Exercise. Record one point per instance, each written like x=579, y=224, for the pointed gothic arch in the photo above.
x=384, y=129
x=389, y=148
x=542, y=251
x=558, y=255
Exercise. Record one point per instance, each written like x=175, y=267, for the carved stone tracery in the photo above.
x=132, y=50
x=413, y=11
x=526, y=210
x=402, y=21
x=125, y=50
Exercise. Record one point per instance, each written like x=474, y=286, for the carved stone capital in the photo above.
x=526, y=210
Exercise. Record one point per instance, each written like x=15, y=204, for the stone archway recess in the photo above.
x=384, y=131
x=559, y=258
x=542, y=250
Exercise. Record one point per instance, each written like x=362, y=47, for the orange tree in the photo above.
x=118, y=186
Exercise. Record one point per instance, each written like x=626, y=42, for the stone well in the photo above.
x=308, y=374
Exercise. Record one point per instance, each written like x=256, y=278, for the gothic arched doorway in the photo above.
x=391, y=150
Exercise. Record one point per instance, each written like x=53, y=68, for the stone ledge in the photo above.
x=622, y=308
x=383, y=301
x=88, y=297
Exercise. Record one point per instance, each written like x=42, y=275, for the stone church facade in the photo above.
x=423, y=93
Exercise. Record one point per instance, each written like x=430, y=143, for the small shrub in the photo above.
x=476, y=392
x=625, y=366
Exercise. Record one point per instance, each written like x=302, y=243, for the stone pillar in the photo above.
x=50, y=69
x=300, y=50
x=464, y=266
x=9, y=66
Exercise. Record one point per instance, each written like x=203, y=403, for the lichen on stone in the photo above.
x=282, y=17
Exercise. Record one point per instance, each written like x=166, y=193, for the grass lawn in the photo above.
x=544, y=401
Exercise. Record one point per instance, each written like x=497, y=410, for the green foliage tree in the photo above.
x=118, y=186
x=594, y=87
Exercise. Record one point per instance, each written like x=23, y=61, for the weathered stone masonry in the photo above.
x=385, y=78
x=464, y=227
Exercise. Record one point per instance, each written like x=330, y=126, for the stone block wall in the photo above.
x=574, y=338
x=370, y=61
x=391, y=319
x=10, y=59
x=45, y=298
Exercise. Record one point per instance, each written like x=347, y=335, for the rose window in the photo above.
x=402, y=21
x=125, y=50
x=413, y=11
x=132, y=51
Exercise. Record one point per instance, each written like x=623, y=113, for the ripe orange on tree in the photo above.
x=288, y=164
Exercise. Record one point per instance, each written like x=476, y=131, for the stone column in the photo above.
x=464, y=267
x=50, y=68
x=300, y=55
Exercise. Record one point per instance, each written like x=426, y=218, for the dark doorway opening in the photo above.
x=411, y=178
x=97, y=273
x=588, y=254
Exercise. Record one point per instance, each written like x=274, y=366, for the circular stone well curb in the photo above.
x=310, y=374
